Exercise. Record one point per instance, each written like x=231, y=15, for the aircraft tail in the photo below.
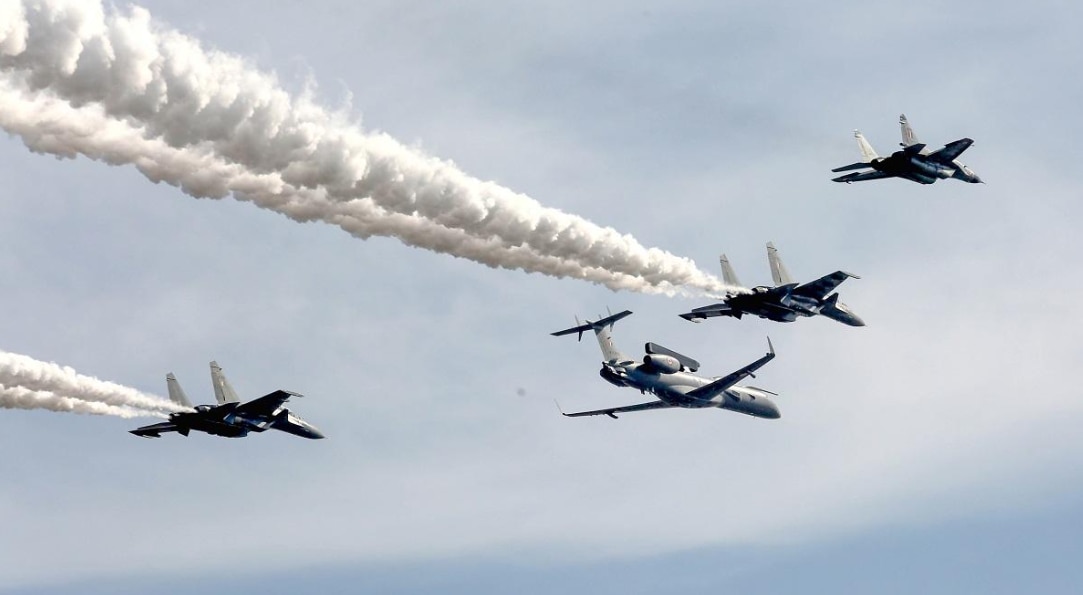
x=176, y=393
x=223, y=391
x=908, y=136
x=778, y=270
x=728, y=275
x=868, y=154
x=603, y=331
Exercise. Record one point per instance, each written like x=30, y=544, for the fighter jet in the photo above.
x=783, y=302
x=914, y=162
x=668, y=376
x=230, y=417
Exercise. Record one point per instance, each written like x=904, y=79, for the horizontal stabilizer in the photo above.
x=687, y=362
x=861, y=176
x=703, y=312
x=155, y=430
x=914, y=149
x=853, y=166
x=593, y=325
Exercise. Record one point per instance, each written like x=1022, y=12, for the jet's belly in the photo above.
x=930, y=169
x=219, y=428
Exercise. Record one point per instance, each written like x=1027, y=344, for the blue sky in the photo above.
x=935, y=448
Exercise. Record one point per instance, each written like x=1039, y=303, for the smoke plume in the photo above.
x=78, y=79
x=27, y=383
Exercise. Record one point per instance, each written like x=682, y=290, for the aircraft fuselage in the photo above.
x=674, y=388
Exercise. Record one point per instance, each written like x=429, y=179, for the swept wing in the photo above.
x=612, y=411
x=824, y=285
x=951, y=151
x=726, y=382
x=266, y=405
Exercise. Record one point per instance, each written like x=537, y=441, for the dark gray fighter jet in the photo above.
x=668, y=376
x=914, y=162
x=784, y=302
x=230, y=417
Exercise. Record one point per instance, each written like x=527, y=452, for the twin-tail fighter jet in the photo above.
x=230, y=417
x=668, y=375
x=914, y=162
x=785, y=301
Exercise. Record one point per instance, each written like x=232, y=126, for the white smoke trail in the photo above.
x=49, y=125
x=17, y=397
x=208, y=105
x=26, y=380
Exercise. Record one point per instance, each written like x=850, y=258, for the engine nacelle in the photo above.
x=933, y=170
x=664, y=364
x=611, y=377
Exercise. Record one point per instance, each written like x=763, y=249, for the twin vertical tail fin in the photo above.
x=868, y=154
x=176, y=393
x=908, y=136
x=778, y=270
x=223, y=391
x=603, y=330
x=728, y=275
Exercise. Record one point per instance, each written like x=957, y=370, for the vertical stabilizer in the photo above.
x=223, y=392
x=868, y=154
x=176, y=393
x=778, y=270
x=908, y=136
x=728, y=275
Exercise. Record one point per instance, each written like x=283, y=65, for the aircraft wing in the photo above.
x=724, y=383
x=861, y=176
x=951, y=151
x=824, y=285
x=611, y=412
x=265, y=405
x=155, y=430
x=700, y=313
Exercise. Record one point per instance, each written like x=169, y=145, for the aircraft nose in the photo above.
x=771, y=411
x=308, y=431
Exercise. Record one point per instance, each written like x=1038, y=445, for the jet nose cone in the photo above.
x=315, y=434
x=772, y=412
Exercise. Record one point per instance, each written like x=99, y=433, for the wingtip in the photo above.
x=557, y=403
x=770, y=347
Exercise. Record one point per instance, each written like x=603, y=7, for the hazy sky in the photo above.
x=935, y=450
